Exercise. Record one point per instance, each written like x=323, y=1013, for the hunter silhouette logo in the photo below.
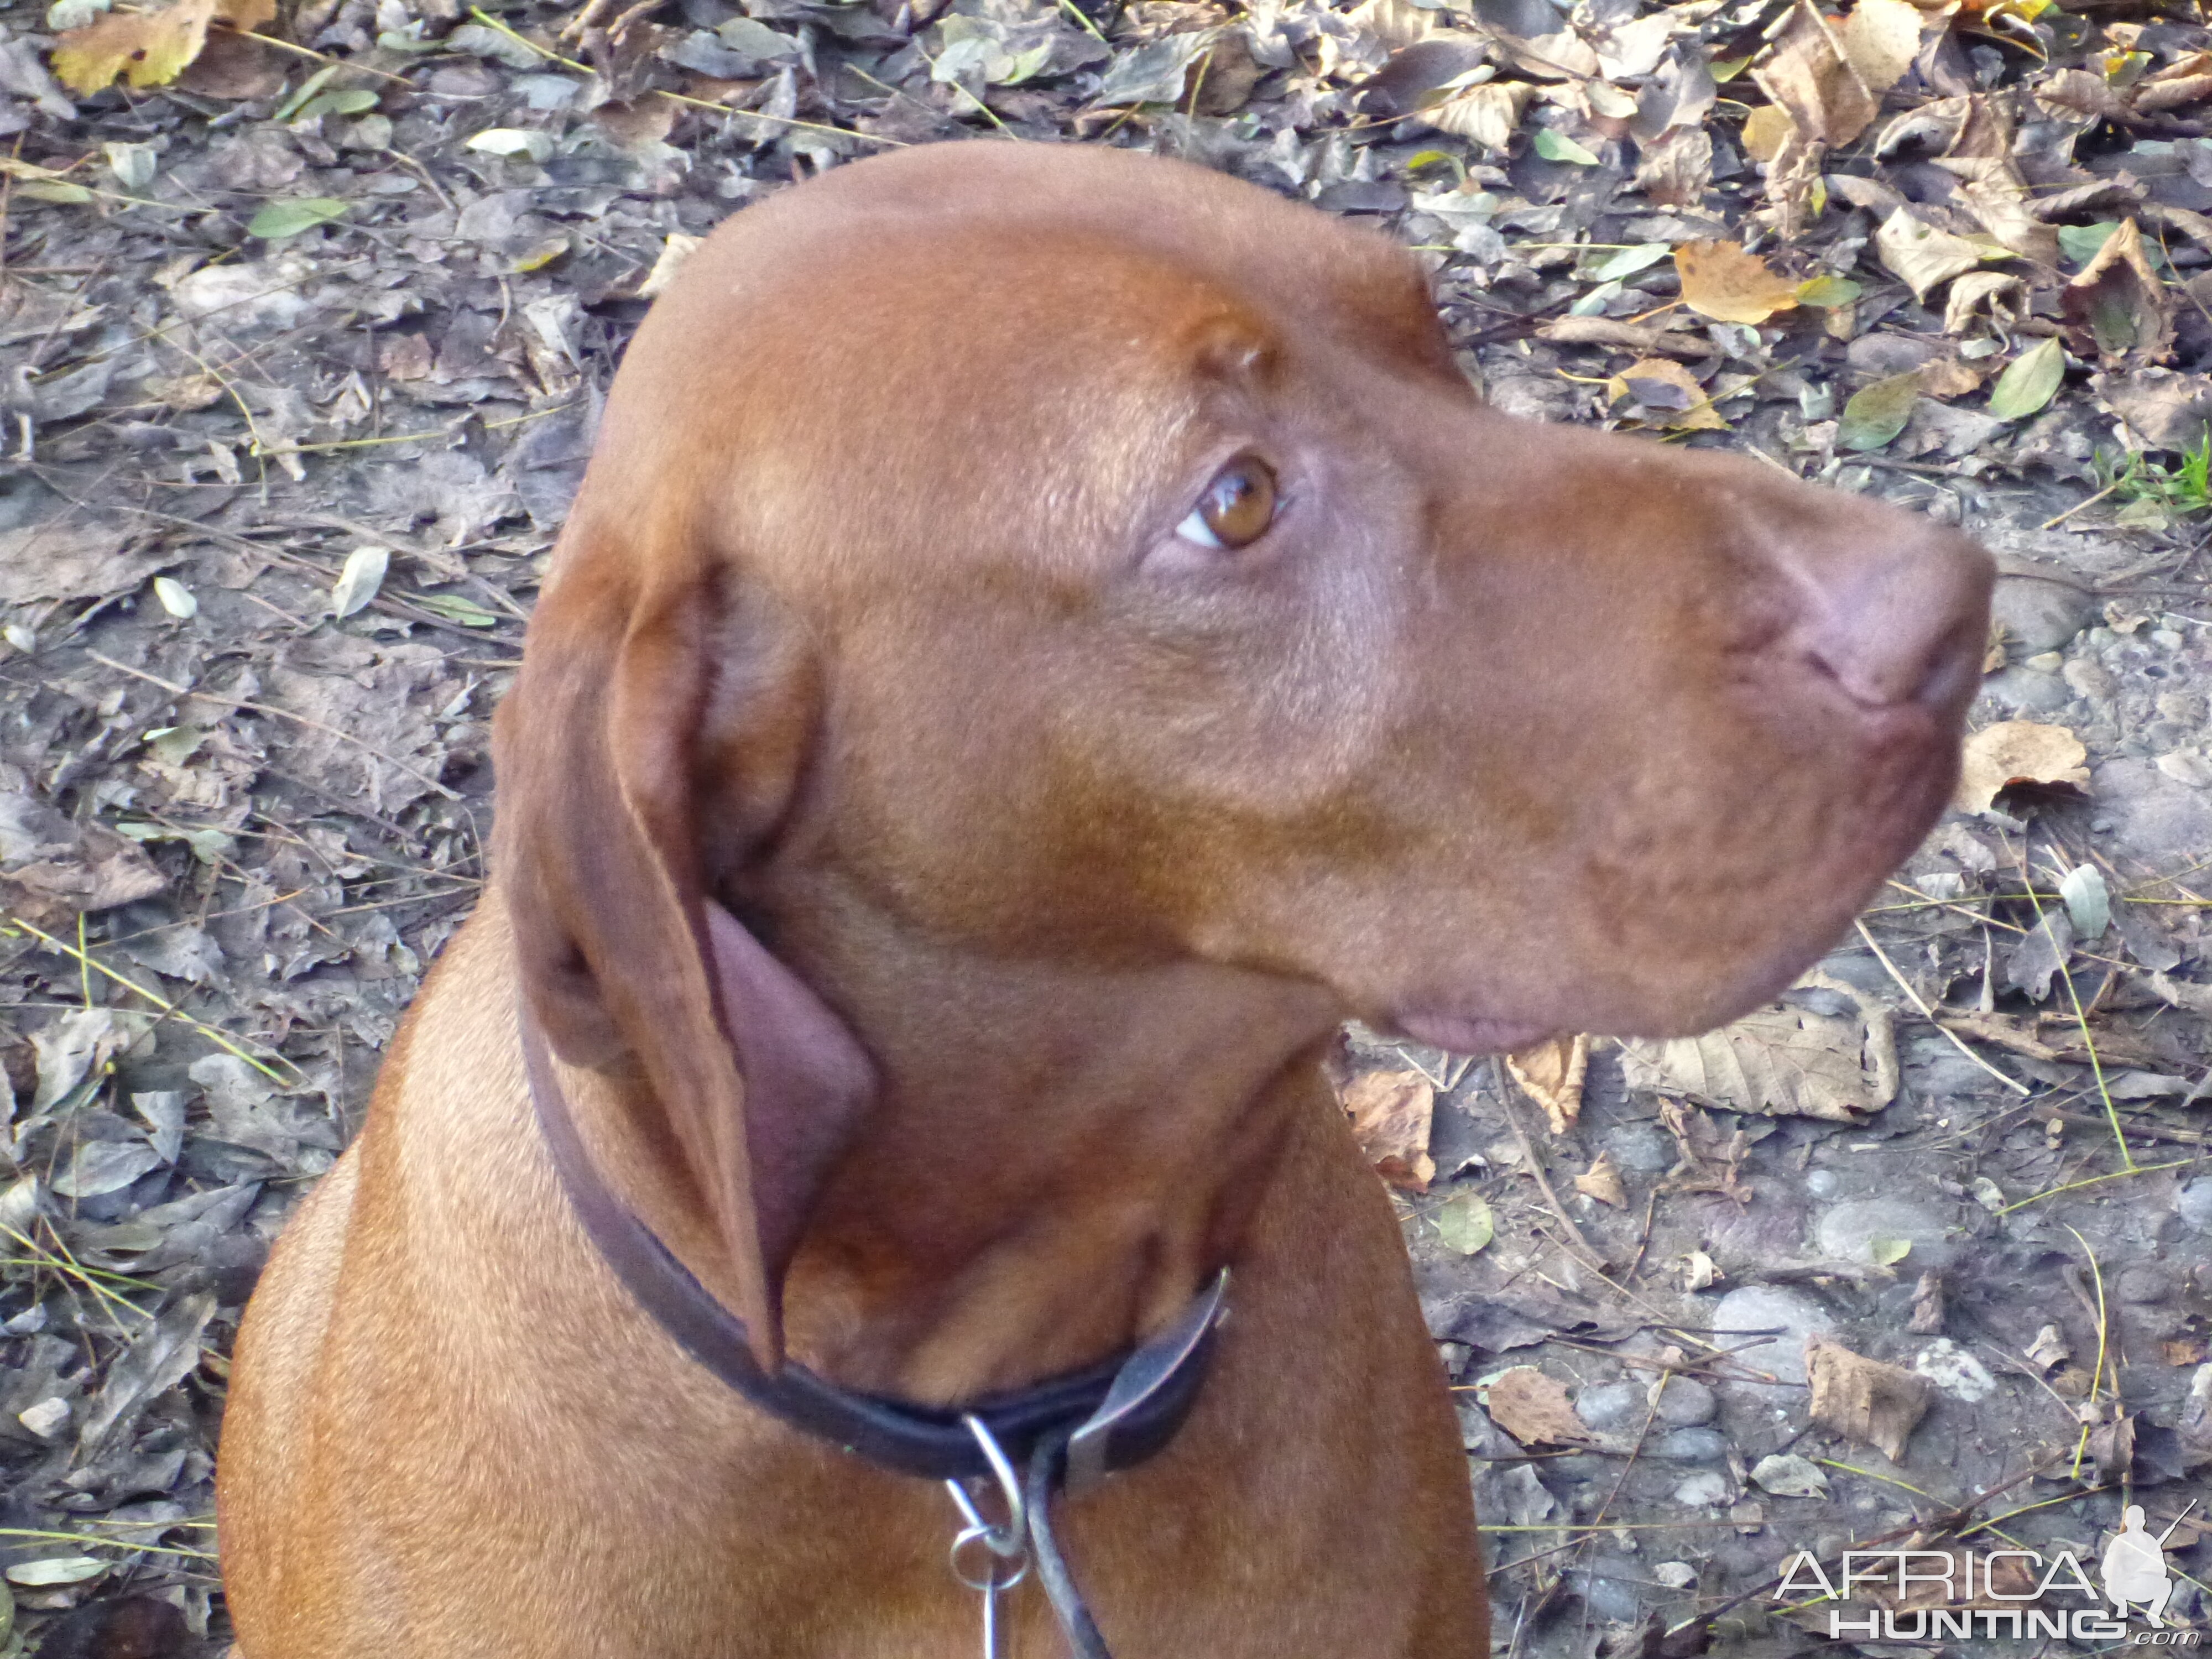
x=2133, y=1567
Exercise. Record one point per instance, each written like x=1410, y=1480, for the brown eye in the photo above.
x=1236, y=507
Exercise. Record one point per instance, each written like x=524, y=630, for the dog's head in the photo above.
x=1072, y=555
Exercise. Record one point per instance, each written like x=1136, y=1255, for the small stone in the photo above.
x=1613, y=1407
x=1853, y=1230
x=2142, y=1283
x=2184, y=768
x=1675, y=1575
x=2166, y=638
x=2024, y=691
x=1688, y=1446
x=1612, y=1599
x=2044, y=662
x=1641, y=1149
x=2193, y=1204
x=47, y=1419
x=1706, y=1489
x=1954, y=1371
x=1821, y=1184
x=1761, y=1308
x=2091, y=678
x=1686, y=1403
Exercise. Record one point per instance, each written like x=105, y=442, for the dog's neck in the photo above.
x=1056, y=1163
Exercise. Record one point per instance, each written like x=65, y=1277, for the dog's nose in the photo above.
x=1899, y=616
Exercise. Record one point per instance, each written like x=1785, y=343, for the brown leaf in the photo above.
x=1665, y=394
x=2012, y=752
x=1602, y=1182
x=1783, y=1061
x=1676, y=168
x=2112, y=1449
x=1486, y=114
x=1875, y=1404
x=2118, y=307
x=1534, y=1408
x=147, y=48
x=1808, y=75
x=1723, y=281
x=1882, y=38
x=1390, y=1113
x=1923, y=255
x=1552, y=1073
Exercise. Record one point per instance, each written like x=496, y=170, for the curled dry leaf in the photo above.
x=1486, y=114
x=2118, y=307
x=149, y=48
x=1924, y=257
x=1809, y=76
x=1534, y=1408
x=1783, y=1061
x=1723, y=281
x=1666, y=394
x=1880, y=39
x=1390, y=1112
x=2012, y=752
x=1602, y=1182
x=2003, y=298
x=1552, y=1075
x=1862, y=1399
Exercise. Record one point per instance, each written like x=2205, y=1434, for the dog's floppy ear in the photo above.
x=606, y=765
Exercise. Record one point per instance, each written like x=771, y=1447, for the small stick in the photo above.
x=1536, y=1164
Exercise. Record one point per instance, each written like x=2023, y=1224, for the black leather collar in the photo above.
x=1112, y=1414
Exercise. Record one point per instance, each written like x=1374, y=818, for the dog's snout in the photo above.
x=1898, y=617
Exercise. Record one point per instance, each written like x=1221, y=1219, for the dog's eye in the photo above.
x=1236, y=507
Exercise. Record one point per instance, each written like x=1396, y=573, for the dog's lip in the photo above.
x=1467, y=1034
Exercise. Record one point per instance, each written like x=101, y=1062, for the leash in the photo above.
x=1066, y=1432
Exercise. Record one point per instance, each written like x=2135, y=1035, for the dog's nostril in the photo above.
x=1900, y=626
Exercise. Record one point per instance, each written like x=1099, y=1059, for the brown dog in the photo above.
x=1072, y=610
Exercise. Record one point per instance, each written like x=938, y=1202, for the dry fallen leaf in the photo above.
x=1723, y=281
x=1665, y=394
x=1551, y=1073
x=149, y=48
x=1875, y=1404
x=1766, y=130
x=1880, y=39
x=1808, y=75
x=2011, y=752
x=1534, y=1408
x=2118, y=307
x=1486, y=114
x=1602, y=1182
x=1925, y=257
x=1390, y=1113
x=1783, y=1061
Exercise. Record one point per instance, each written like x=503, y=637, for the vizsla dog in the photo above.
x=1045, y=635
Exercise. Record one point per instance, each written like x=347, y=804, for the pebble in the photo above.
x=2143, y=1283
x=2090, y=678
x=1614, y=1600
x=1761, y=1308
x=2027, y=692
x=1686, y=1404
x=1821, y=1184
x=1613, y=1407
x=1706, y=1489
x=2041, y=605
x=2193, y=1204
x=1848, y=1232
x=1688, y=1446
x=1954, y=1371
x=1641, y=1149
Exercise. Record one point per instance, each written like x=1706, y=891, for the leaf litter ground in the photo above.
x=305, y=318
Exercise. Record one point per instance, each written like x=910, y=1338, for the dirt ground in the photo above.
x=301, y=343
